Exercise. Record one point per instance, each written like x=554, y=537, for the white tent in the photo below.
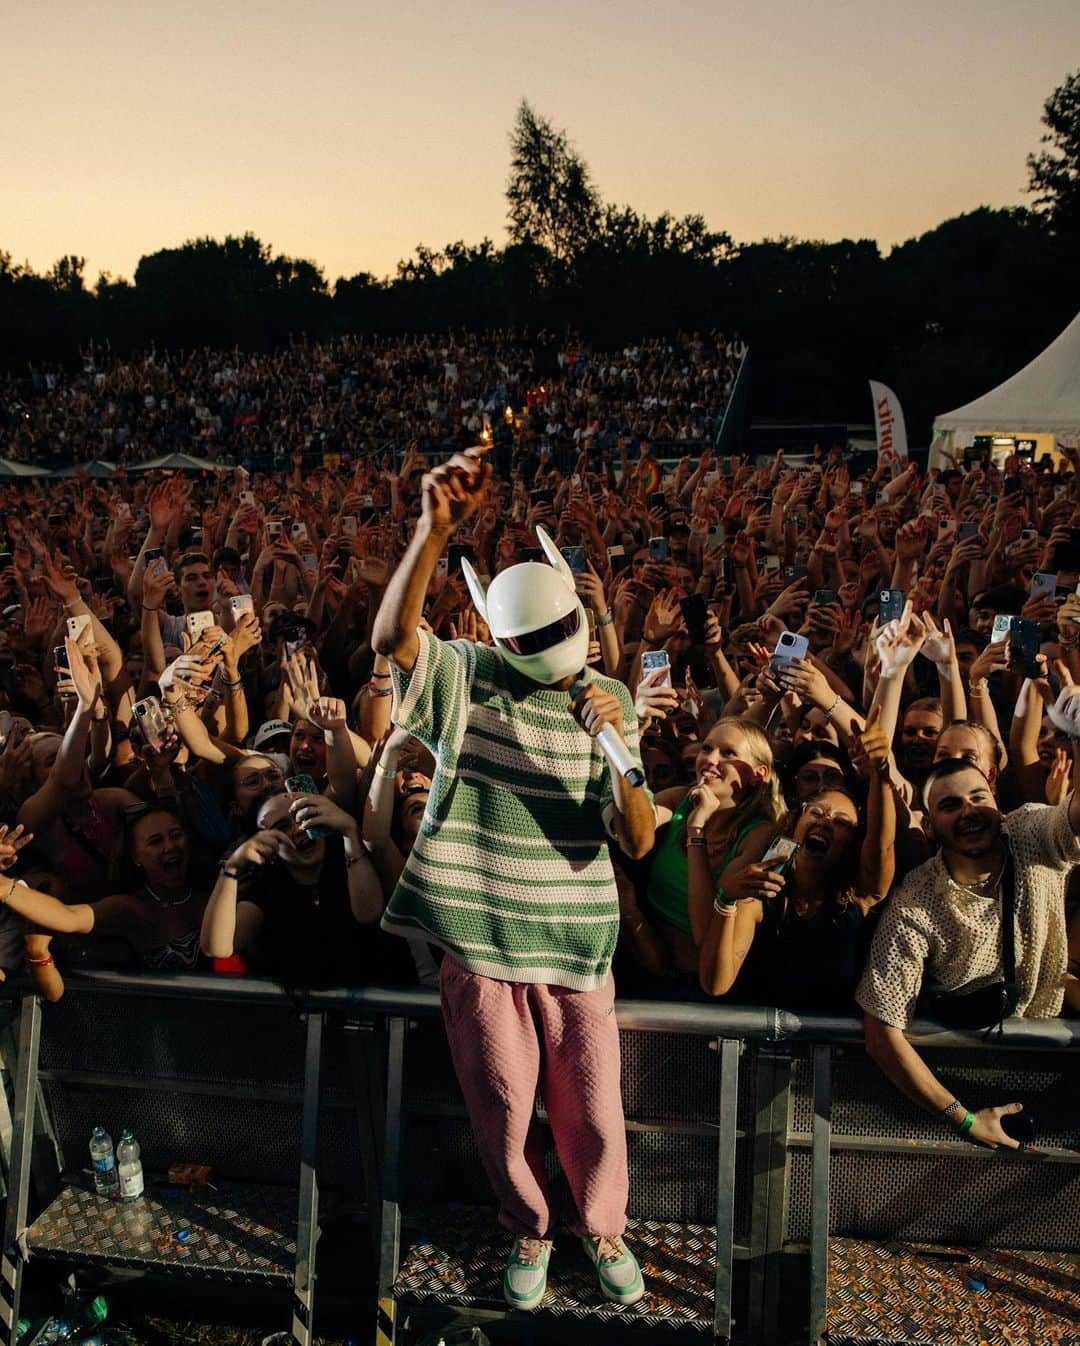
x=1043, y=399
x=179, y=462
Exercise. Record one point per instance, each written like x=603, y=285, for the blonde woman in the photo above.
x=735, y=801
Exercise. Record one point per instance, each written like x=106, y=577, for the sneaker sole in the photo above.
x=627, y=1298
x=524, y=1305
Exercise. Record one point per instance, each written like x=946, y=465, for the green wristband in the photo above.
x=968, y=1122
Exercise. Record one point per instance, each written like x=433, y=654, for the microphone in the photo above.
x=611, y=742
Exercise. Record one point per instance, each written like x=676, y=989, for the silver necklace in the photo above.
x=164, y=902
x=980, y=887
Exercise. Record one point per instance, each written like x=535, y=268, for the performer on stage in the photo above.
x=511, y=876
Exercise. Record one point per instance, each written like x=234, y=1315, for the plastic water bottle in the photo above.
x=75, y=1322
x=106, y=1181
x=130, y=1166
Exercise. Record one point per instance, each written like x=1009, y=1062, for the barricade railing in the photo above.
x=784, y=1115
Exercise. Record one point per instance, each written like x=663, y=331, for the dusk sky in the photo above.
x=348, y=133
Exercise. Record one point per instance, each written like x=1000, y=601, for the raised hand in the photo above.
x=653, y=701
x=454, y=492
x=11, y=843
x=938, y=645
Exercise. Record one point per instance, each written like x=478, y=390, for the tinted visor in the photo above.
x=536, y=642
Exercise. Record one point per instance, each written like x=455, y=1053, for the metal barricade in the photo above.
x=767, y=1153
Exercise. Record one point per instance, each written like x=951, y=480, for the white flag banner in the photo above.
x=888, y=420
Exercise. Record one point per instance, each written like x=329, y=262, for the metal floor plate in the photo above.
x=458, y=1257
x=239, y=1232
x=922, y=1293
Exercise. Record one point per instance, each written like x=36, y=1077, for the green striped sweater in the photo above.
x=510, y=871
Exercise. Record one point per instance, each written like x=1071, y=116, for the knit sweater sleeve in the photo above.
x=430, y=701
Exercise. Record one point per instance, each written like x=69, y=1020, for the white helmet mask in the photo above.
x=535, y=616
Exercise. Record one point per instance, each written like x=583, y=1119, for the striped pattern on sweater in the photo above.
x=510, y=871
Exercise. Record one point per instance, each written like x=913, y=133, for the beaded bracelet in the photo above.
x=606, y=620
x=379, y=691
x=723, y=908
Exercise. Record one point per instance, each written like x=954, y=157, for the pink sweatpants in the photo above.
x=509, y=1039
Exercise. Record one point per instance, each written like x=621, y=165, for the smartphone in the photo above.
x=727, y=467
x=890, y=605
x=727, y=570
x=247, y=497
x=241, y=603
x=793, y=573
x=770, y=565
x=64, y=685
x=151, y=720
x=298, y=530
x=1002, y=627
x=657, y=500
x=654, y=659
x=1024, y=647
x=441, y=567
x=367, y=502
x=823, y=598
x=273, y=530
x=1029, y=535
x=155, y=560
x=694, y=612
x=781, y=854
x=6, y=560
x=310, y=561
x=575, y=559
x=1067, y=554
x=304, y=785
x=56, y=520
x=1043, y=584
x=658, y=549
x=967, y=529
x=294, y=646
x=454, y=553
x=545, y=496
x=1010, y=486
x=77, y=625
x=856, y=488
x=350, y=525
x=195, y=623
x=789, y=647
x=717, y=537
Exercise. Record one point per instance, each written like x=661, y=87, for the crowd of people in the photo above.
x=359, y=395
x=852, y=692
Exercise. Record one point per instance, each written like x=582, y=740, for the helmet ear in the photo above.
x=557, y=559
x=472, y=579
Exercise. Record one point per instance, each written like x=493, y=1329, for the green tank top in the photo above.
x=669, y=877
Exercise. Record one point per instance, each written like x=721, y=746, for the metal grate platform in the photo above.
x=240, y=1233
x=459, y=1256
x=910, y=1292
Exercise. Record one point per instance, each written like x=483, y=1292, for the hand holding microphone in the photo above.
x=600, y=714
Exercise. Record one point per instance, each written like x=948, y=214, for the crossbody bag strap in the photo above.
x=1008, y=921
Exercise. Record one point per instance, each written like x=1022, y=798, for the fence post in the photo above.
x=819, y=1185
x=22, y=1144
x=769, y=1190
x=390, y=1226
x=728, y=1114
x=307, y=1224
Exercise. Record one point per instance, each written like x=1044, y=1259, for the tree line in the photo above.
x=941, y=318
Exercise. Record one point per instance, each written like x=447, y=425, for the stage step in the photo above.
x=922, y=1293
x=239, y=1232
x=456, y=1259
